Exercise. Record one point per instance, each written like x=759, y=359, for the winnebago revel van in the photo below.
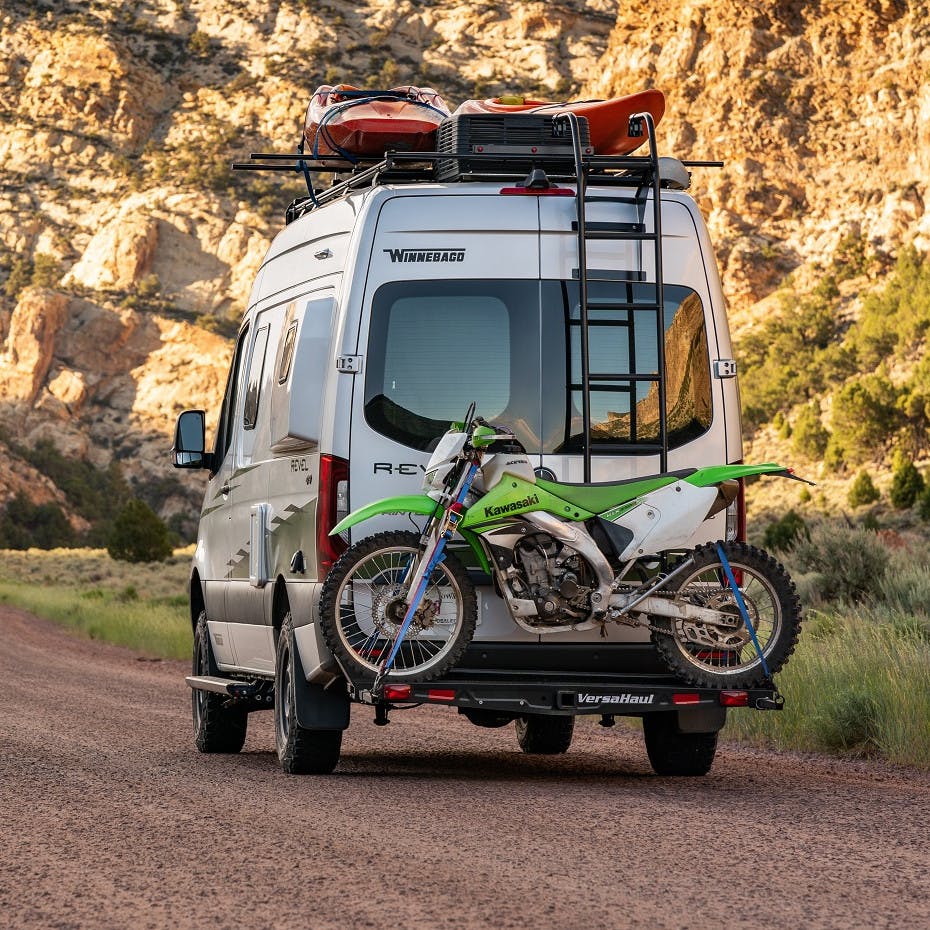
x=573, y=298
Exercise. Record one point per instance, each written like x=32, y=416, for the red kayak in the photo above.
x=608, y=120
x=351, y=124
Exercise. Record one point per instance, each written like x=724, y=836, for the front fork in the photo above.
x=423, y=570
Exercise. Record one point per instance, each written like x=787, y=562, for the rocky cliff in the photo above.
x=125, y=242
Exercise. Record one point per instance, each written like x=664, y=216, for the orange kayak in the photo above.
x=349, y=124
x=608, y=120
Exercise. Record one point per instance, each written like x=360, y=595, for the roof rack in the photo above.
x=420, y=167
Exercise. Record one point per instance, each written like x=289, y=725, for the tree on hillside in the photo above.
x=906, y=484
x=139, y=535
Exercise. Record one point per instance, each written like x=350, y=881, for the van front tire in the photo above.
x=219, y=725
x=300, y=751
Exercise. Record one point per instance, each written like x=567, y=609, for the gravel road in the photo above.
x=111, y=819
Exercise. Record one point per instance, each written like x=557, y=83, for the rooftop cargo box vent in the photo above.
x=487, y=134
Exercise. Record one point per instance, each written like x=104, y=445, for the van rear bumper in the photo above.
x=621, y=680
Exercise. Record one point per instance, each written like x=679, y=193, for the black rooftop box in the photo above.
x=487, y=134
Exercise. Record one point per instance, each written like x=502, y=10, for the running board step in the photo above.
x=234, y=687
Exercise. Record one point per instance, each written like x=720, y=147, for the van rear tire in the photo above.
x=300, y=751
x=544, y=735
x=358, y=637
x=672, y=752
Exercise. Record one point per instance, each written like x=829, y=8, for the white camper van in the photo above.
x=387, y=305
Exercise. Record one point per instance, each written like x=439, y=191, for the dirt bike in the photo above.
x=399, y=606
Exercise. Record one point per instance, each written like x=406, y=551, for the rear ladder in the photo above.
x=636, y=232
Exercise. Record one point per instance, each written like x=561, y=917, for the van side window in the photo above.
x=287, y=353
x=228, y=411
x=254, y=384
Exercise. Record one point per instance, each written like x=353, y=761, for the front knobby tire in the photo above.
x=672, y=752
x=300, y=751
x=363, y=601
x=540, y=734
x=705, y=657
x=219, y=724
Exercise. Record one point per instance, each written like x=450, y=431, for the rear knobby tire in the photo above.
x=672, y=752
x=773, y=605
x=300, y=751
x=358, y=633
x=219, y=724
x=544, y=735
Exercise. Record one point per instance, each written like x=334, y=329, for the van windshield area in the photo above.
x=514, y=348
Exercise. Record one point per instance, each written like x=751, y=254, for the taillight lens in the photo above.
x=333, y=494
x=734, y=698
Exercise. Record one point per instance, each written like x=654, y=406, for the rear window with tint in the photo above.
x=513, y=347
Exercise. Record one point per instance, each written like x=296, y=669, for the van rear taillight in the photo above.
x=551, y=191
x=331, y=506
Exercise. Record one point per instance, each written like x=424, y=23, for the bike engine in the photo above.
x=554, y=576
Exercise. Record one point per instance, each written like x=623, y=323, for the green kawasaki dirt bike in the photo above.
x=399, y=606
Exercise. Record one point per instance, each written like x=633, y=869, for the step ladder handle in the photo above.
x=574, y=128
x=646, y=121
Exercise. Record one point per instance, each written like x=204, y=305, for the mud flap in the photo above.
x=318, y=708
x=706, y=719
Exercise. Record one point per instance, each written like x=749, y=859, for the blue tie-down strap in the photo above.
x=728, y=571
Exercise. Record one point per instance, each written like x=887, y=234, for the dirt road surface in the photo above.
x=109, y=818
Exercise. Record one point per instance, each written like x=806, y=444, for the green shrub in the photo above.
x=782, y=534
x=849, y=722
x=46, y=270
x=24, y=525
x=810, y=435
x=906, y=484
x=863, y=491
x=138, y=535
x=852, y=562
x=865, y=416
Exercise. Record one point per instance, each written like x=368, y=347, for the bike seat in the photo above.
x=596, y=498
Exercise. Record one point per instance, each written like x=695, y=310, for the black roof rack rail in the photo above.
x=412, y=167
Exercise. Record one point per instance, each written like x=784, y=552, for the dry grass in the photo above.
x=141, y=606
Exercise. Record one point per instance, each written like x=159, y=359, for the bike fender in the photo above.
x=717, y=474
x=419, y=504
x=411, y=503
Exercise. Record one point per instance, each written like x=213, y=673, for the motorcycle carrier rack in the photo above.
x=642, y=176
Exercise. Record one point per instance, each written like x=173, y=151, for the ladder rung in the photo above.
x=626, y=448
x=598, y=226
x=598, y=382
x=626, y=200
x=608, y=274
x=616, y=234
x=613, y=306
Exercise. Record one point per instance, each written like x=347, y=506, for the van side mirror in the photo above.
x=190, y=441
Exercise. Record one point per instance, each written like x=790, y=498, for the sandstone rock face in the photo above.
x=818, y=110
x=28, y=350
x=119, y=255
